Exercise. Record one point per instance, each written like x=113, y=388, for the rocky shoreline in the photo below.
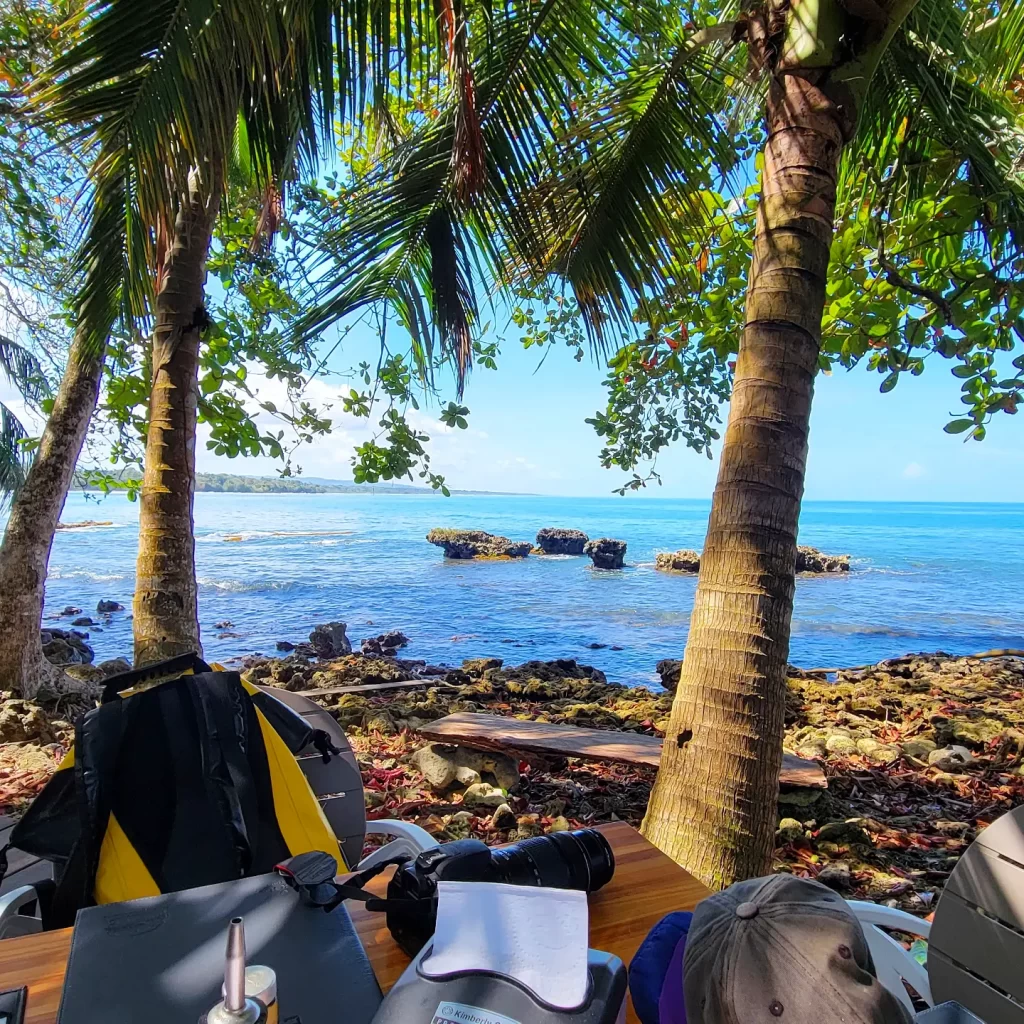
x=920, y=752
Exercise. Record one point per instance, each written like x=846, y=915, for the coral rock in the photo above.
x=606, y=553
x=553, y=541
x=477, y=544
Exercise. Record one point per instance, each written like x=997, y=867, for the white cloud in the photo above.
x=913, y=471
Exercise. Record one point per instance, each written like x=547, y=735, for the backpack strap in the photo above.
x=222, y=706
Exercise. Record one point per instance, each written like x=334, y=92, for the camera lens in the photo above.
x=562, y=860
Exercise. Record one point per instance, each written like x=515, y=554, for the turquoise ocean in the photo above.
x=925, y=577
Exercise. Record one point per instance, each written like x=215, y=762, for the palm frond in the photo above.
x=643, y=156
x=14, y=460
x=23, y=370
x=163, y=87
x=533, y=68
x=936, y=112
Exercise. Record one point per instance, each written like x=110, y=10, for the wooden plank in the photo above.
x=949, y=981
x=330, y=691
x=978, y=944
x=492, y=732
x=646, y=885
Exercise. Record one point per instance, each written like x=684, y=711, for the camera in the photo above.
x=563, y=860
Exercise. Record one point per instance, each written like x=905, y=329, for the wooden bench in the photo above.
x=491, y=732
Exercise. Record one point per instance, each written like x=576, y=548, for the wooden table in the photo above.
x=645, y=887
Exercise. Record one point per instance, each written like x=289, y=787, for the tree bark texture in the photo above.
x=713, y=807
x=28, y=538
x=165, y=607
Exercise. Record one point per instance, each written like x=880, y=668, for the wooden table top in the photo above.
x=646, y=886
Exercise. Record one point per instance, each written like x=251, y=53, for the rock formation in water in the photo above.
x=606, y=553
x=809, y=560
x=66, y=647
x=812, y=560
x=329, y=640
x=668, y=670
x=477, y=544
x=554, y=541
x=386, y=645
x=678, y=561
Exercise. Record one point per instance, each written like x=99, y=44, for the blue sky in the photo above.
x=527, y=434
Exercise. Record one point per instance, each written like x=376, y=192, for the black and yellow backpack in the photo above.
x=182, y=776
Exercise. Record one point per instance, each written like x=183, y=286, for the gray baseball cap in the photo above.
x=782, y=950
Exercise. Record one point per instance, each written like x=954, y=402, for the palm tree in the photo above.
x=900, y=96
x=162, y=92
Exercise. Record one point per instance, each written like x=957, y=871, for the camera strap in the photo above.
x=311, y=875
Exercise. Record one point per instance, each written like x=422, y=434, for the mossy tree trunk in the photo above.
x=165, y=608
x=714, y=805
x=25, y=553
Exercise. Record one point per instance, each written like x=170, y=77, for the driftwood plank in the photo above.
x=491, y=732
x=330, y=691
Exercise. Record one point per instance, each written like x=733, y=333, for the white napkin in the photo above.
x=537, y=936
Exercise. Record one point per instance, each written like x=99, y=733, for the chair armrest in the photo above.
x=410, y=840
x=14, y=923
x=893, y=964
x=891, y=918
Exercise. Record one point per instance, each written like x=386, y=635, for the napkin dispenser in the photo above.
x=487, y=997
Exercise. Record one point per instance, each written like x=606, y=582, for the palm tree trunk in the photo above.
x=713, y=808
x=31, y=526
x=165, y=610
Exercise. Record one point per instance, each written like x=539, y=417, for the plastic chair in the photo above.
x=893, y=964
x=338, y=786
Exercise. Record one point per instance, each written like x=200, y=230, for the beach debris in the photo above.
x=789, y=831
x=483, y=794
x=478, y=666
x=444, y=765
x=329, y=640
x=477, y=544
x=899, y=825
x=951, y=758
x=836, y=875
x=503, y=818
x=386, y=644
x=686, y=560
x=554, y=541
x=606, y=553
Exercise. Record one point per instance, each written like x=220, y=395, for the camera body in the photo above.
x=565, y=860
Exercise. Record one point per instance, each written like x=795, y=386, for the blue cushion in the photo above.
x=654, y=965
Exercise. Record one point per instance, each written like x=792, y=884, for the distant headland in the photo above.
x=234, y=484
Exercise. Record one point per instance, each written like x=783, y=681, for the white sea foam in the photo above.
x=82, y=574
